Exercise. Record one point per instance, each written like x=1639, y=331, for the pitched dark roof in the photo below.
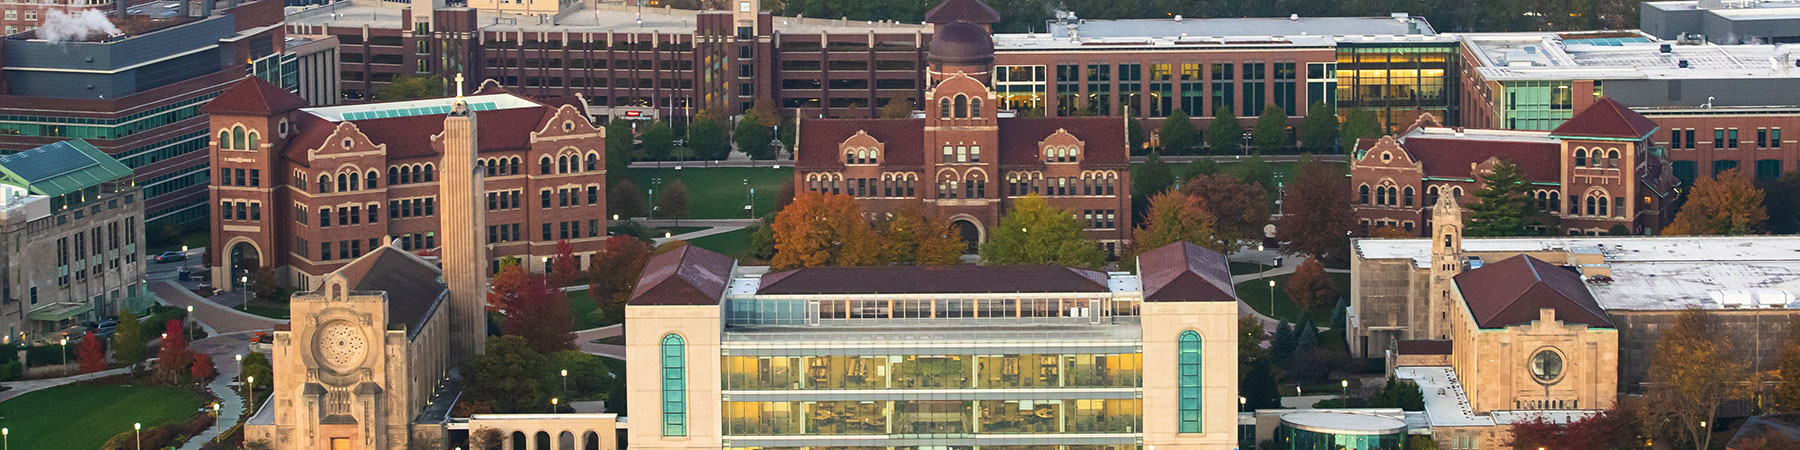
x=963, y=279
x=1424, y=347
x=1452, y=157
x=1511, y=291
x=253, y=97
x=1184, y=272
x=688, y=275
x=1607, y=118
x=410, y=136
x=1019, y=138
x=1104, y=139
x=971, y=11
x=413, y=287
x=904, y=140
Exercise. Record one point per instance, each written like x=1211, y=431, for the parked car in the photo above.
x=171, y=256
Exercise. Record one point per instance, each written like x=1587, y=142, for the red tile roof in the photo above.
x=1019, y=137
x=933, y=280
x=1511, y=291
x=1452, y=157
x=1184, y=272
x=1607, y=118
x=688, y=275
x=904, y=140
x=971, y=11
x=253, y=97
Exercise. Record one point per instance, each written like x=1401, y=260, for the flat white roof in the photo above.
x=417, y=107
x=1481, y=134
x=1344, y=422
x=1547, y=56
x=1649, y=272
x=1141, y=34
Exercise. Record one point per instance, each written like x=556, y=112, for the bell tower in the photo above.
x=1446, y=263
x=461, y=221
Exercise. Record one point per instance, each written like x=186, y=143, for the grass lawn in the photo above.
x=718, y=192
x=82, y=417
x=1256, y=293
x=265, y=308
x=731, y=243
x=1241, y=268
x=582, y=306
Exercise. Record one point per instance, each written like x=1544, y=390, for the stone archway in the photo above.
x=970, y=230
x=241, y=256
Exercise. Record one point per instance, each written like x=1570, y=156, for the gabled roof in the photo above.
x=904, y=140
x=932, y=280
x=1606, y=118
x=1511, y=291
x=688, y=275
x=1103, y=139
x=60, y=168
x=1184, y=272
x=971, y=11
x=413, y=287
x=253, y=97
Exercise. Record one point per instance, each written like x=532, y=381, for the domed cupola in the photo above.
x=962, y=44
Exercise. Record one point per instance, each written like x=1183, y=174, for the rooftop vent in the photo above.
x=1293, y=17
x=1683, y=64
x=1666, y=48
x=1177, y=17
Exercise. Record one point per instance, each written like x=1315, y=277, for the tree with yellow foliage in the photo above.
x=912, y=237
x=823, y=230
x=1726, y=204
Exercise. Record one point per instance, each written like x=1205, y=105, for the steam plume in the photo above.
x=59, y=26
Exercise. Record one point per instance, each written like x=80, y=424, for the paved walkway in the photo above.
x=231, y=405
x=218, y=319
x=1288, y=264
x=585, y=339
x=23, y=387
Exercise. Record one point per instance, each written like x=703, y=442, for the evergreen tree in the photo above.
x=1340, y=314
x=1306, y=339
x=1281, y=346
x=1270, y=134
x=618, y=149
x=1226, y=135
x=1259, y=386
x=128, y=340
x=1504, y=207
x=1318, y=132
x=1134, y=135
x=1178, y=135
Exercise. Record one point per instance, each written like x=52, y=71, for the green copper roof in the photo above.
x=60, y=168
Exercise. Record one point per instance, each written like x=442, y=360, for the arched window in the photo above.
x=393, y=174
x=543, y=440
x=1457, y=192
x=674, y=385
x=324, y=183
x=343, y=183
x=1555, y=203
x=518, y=440
x=371, y=181
x=1590, y=205
x=590, y=441
x=1188, y=382
x=544, y=165
x=512, y=168
x=426, y=175
x=1409, y=196
x=593, y=161
x=237, y=138
x=944, y=108
x=975, y=107
x=962, y=106
x=1364, y=191
x=1612, y=158
x=224, y=139
x=1580, y=157
x=252, y=142
x=562, y=164
x=354, y=184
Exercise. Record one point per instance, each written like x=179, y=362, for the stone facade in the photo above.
x=1163, y=323
x=73, y=258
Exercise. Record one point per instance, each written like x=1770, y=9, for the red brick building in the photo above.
x=965, y=159
x=336, y=182
x=1594, y=171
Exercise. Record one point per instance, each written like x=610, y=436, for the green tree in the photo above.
x=1226, y=135
x=128, y=340
x=659, y=141
x=1036, y=233
x=672, y=202
x=1318, y=132
x=1259, y=386
x=508, y=376
x=625, y=199
x=1504, y=206
x=1726, y=204
x=1271, y=133
x=1178, y=135
x=1360, y=124
x=1402, y=394
x=1198, y=167
x=1281, y=345
x=256, y=366
x=589, y=378
x=1254, y=170
x=706, y=136
x=1134, y=136
x=755, y=134
x=411, y=88
x=619, y=142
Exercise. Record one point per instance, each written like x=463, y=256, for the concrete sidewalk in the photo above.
x=23, y=387
x=219, y=318
x=585, y=340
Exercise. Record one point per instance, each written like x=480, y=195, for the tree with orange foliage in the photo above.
x=506, y=280
x=564, y=269
x=1726, y=204
x=1310, y=288
x=1174, y=216
x=90, y=355
x=912, y=237
x=614, y=274
x=823, y=230
x=203, y=367
x=535, y=311
x=173, y=360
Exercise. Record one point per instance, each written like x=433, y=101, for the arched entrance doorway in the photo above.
x=970, y=234
x=243, y=259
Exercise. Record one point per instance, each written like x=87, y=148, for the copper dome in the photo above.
x=962, y=42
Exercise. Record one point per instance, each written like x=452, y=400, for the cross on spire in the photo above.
x=459, y=105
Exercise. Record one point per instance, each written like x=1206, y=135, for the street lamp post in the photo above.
x=553, y=403
x=65, y=350
x=749, y=198
x=1271, y=298
x=6, y=438
x=565, y=380
x=250, y=386
x=1241, y=403
x=246, y=281
x=138, y=429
